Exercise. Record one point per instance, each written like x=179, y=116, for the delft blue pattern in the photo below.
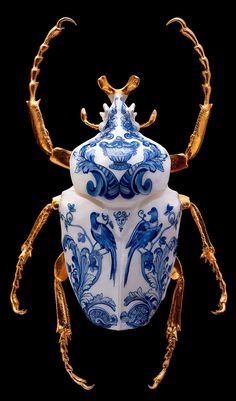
x=155, y=264
x=140, y=313
x=130, y=184
x=121, y=217
x=119, y=151
x=111, y=123
x=86, y=265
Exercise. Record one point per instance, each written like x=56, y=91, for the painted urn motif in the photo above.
x=119, y=151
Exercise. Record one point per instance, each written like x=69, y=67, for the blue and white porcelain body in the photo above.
x=120, y=222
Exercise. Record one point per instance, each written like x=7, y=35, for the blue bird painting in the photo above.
x=144, y=233
x=104, y=237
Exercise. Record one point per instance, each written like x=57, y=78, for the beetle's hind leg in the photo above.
x=174, y=321
x=63, y=319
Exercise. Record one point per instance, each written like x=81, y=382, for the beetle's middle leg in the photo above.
x=208, y=251
x=174, y=321
x=26, y=251
x=63, y=319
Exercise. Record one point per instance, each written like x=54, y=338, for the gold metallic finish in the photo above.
x=208, y=254
x=174, y=320
x=208, y=251
x=40, y=131
x=83, y=115
x=26, y=252
x=203, y=59
x=61, y=157
x=173, y=323
x=178, y=162
x=151, y=120
x=63, y=319
x=198, y=134
x=132, y=84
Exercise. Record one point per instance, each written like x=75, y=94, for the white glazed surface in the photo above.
x=120, y=222
x=158, y=272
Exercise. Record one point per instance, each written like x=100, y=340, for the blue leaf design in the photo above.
x=85, y=300
x=107, y=184
x=100, y=299
x=152, y=280
x=81, y=237
x=162, y=240
x=169, y=208
x=71, y=207
x=102, y=318
x=88, y=281
x=139, y=314
x=131, y=183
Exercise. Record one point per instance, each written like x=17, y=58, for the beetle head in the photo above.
x=118, y=107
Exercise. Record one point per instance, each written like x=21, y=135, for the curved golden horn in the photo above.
x=151, y=120
x=83, y=115
x=132, y=84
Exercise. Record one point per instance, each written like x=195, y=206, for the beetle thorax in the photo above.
x=119, y=162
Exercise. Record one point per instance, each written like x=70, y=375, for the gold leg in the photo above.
x=208, y=251
x=180, y=161
x=173, y=323
x=57, y=155
x=26, y=252
x=63, y=319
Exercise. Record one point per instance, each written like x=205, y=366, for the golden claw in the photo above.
x=15, y=306
x=179, y=20
x=221, y=305
x=64, y=19
x=157, y=381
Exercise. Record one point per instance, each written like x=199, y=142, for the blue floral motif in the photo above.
x=130, y=184
x=86, y=266
x=139, y=314
x=155, y=265
x=121, y=217
x=119, y=151
x=107, y=184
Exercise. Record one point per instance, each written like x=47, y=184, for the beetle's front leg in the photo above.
x=26, y=251
x=57, y=155
x=180, y=161
x=174, y=321
x=208, y=251
x=63, y=319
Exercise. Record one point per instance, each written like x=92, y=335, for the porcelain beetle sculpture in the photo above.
x=119, y=220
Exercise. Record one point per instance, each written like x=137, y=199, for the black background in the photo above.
x=118, y=42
